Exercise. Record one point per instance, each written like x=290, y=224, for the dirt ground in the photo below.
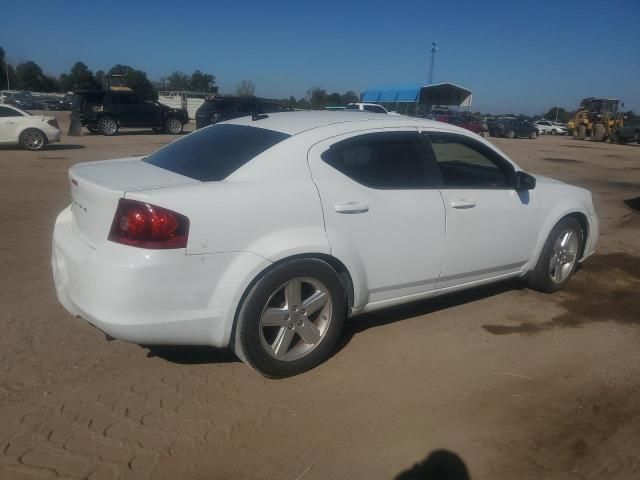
x=511, y=383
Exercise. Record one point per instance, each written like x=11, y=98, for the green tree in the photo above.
x=177, y=81
x=4, y=65
x=136, y=80
x=317, y=97
x=333, y=100
x=29, y=76
x=563, y=115
x=349, y=97
x=245, y=88
x=79, y=78
x=202, y=82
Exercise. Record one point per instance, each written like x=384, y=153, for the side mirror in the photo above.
x=524, y=181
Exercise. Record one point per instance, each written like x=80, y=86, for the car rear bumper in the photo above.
x=149, y=297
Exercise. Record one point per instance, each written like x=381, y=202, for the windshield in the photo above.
x=215, y=152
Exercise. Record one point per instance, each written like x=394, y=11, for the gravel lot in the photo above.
x=515, y=383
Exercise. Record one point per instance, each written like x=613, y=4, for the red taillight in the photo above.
x=143, y=225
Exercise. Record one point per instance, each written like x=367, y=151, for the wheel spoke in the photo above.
x=309, y=333
x=293, y=294
x=274, y=317
x=282, y=343
x=554, y=263
x=315, y=302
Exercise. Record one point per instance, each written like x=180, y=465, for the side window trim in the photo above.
x=501, y=162
x=429, y=182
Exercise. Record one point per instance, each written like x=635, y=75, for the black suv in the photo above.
x=511, y=128
x=105, y=111
x=219, y=109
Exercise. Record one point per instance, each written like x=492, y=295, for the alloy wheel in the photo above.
x=174, y=126
x=295, y=319
x=108, y=126
x=563, y=256
x=33, y=140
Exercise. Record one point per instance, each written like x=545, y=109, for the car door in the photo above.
x=492, y=229
x=9, y=119
x=383, y=213
x=126, y=108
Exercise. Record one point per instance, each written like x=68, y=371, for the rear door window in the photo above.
x=381, y=160
x=9, y=112
x=216, y=152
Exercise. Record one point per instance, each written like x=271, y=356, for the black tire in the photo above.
x=533, y=135
x=580, y=132
x=636, y=137
x=540, y=277
x=247, y=341
x=554, y=131
x=108, y=126
x=33, y=139
x=597, y=132
x=511, y=134
x=173, y=126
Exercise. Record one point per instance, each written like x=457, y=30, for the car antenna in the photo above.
x=255, y=113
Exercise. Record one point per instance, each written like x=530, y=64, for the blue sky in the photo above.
x=515, y=56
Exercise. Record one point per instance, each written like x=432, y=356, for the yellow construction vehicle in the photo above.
x=597, y=118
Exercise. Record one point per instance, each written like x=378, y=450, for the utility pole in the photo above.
x=434, y=50
x=557, y=108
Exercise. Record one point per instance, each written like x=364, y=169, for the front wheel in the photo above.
x=291, y=319
x=511, y=134
x=108, y=126
x=554, y=132
x=597, y=132
x=533, y=135
x=33, y=139
x=173, y=126
x=559, y=257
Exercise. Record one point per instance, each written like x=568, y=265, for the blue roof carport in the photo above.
x=428, y=96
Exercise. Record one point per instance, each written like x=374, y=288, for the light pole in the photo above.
x=434, y=50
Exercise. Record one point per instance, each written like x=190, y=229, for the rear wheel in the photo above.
x=559, y=257
x=108, y=126
x=597, y=132
x=533, y=135
x=511, y=134
x=580, y=132
x=554, y=131
x=173, y=126
x=33, y=139
x=291, y=319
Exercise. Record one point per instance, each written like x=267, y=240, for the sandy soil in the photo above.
x=509, y=382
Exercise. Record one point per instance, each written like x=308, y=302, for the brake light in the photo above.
x=144, y=225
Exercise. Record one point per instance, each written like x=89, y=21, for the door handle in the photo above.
x=351, y=207
x=462, y=204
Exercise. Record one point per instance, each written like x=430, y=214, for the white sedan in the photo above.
x=549, y=127
x=265, y=233
x=31, y=132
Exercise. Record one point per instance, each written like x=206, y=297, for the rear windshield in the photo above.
x=213, y=105
x=215, y=152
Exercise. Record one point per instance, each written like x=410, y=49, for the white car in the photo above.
x=549, y=127
x=366, y=107
x=31, y=132
x=264, y=234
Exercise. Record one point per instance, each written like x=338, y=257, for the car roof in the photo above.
x=296, y=122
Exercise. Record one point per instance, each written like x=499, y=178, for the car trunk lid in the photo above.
x=96, y=188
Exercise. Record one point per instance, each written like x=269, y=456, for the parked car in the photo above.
x=53, y=103
x=106, y=111
x=512, y=128
x=22, y=100
x=366, y=107
x=264, y=234
x=31, y=132
x=629, y=132
x=551, y=128
x=461, y=119
x=219, y=109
